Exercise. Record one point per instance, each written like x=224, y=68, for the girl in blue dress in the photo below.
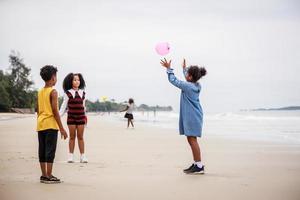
x=191, y=115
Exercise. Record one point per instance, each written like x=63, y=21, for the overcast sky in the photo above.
x=251, y=49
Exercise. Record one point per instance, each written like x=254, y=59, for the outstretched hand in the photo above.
x=165, y=63
x=183, y=64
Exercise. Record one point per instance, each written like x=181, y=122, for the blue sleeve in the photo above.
x=176, y=82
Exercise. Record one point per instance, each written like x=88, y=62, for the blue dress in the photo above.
x=191, y=114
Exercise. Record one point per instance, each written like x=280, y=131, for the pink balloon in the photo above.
x=162, y=48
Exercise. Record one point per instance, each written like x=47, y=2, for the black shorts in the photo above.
x=128, y=116
x=47, y=145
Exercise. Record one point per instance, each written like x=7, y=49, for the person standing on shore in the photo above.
x=74, y=104
x=191, y=114
x=48, y=124
x=129, y=109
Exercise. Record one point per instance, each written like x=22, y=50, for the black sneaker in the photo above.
x=52, y=180
x=188, y=169
x=195, y=169
x=43, y=179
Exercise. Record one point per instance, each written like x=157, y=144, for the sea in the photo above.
x=273, y=126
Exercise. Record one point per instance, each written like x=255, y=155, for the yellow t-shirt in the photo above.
x=45, y=118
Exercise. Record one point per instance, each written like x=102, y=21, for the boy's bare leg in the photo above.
x=43, y=168
x=49, y=169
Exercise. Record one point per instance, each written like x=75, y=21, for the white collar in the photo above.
x=80, y=92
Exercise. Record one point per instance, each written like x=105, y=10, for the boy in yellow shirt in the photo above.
x=48, y=123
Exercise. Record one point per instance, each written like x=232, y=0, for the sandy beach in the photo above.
x=145, y=163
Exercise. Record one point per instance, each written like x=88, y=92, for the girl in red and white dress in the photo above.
x=74, y=104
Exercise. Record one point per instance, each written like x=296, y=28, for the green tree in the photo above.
x=5, y=102
x=4, y=99
x=19, y=84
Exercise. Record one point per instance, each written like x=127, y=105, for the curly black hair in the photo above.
x=47, y=72
x=196, y=72
x=67, y=84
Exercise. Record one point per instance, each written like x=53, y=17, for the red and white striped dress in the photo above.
x=76, y=110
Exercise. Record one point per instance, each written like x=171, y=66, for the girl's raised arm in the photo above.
x=184, y=68
x=172, y=78
x=183, y=85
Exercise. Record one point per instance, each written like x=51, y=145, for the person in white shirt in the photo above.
x=129, y=109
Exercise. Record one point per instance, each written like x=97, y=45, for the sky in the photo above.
x=250, y=48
